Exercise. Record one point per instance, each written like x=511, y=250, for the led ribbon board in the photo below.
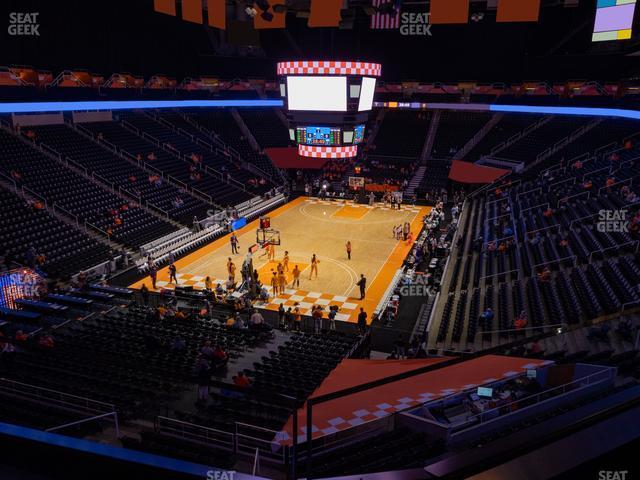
x=327, y=152
x=34, y=107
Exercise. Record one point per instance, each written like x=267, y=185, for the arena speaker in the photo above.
x=518, y=11
x=325, y=13
x=449, y=11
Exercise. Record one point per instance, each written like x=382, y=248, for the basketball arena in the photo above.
x=320, y=239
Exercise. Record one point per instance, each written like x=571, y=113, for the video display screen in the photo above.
x=366, y=94
x=318, y=136
x=328, y=94
x=614, y=20
x=358, y=134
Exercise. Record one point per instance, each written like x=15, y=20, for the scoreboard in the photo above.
x=327, y=104
x=329, y=136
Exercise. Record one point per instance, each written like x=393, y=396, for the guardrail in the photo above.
x=55, y=397
x=614, y=247
x=198, y=433
x=604, y=376
x=557, y=260
x=67, y=213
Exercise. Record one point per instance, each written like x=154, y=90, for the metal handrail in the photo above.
x=537, y=396
x=90, y=419
x=20, y=388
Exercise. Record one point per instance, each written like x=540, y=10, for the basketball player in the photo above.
x=282, y=281
x=274, y=284
x=314, y=266
x=285, y=261
x=231, y=269
x=296, y=277
x=348, y=246
x=280, y=269
x=272, y=252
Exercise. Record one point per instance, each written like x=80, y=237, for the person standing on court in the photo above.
x=348, y=246
x=362, y=321
x=234, y=244
x=172, y=274
x=362, y=283
x=296, y=277
x=153, y=273
x=314, y=266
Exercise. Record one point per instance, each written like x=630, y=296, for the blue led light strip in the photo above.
x=33, y=107
x=594, y=112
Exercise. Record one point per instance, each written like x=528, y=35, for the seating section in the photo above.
x=507, y=127
x=402, y=134
x=220, y=122
x=399, y=449
x=296, y=369
x=455, y=129
x=610, y=130
x=32, y=415
x=66, y=250
x=125, y=221
x=266, y=127
x=534, y=143
x=124, y=175
x=124, y=357
x=542, y=247
x=180, y=164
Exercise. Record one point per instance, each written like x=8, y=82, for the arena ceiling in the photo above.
x=128, y=36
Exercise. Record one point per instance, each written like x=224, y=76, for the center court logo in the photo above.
x=415, y=24
x=613, y=221
x=23, y=24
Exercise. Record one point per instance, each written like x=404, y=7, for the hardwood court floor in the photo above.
x=309, y=226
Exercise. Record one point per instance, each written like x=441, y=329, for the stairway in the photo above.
x=431, y=137
x=245, y=130
x=416, y=180
x=493, y=121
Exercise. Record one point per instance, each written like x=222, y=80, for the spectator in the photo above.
x=256, y=320
x=400, y=347
x=362, y=321
x=486, y=318
x=241, y=380
x=521, y=321
x=203, y=372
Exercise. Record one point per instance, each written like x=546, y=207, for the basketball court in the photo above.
x=307, y=226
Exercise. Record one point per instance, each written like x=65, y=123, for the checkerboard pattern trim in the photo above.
x=327, y=152
x=305, y=300
x=330, y=68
